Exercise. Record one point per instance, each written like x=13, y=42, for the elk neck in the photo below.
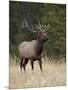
x=39, y=47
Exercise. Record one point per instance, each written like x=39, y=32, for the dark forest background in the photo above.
x=52, y=14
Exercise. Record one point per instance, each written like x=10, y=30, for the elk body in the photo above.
x=32, y=50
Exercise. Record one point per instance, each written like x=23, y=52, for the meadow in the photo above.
x=53, y=74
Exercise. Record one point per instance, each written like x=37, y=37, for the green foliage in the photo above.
x=52, y=14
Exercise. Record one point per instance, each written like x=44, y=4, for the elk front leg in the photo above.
x=40, y=64
x=25, y=63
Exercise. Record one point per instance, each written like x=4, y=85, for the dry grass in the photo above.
x=54, y=74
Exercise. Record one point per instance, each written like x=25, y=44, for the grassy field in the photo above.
x=54, y=74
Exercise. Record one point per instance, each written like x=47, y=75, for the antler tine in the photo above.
x=45, y=28
x=32, y=29
x=40, y=26
x=26, y=22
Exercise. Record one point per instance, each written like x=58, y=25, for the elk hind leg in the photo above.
x=40, y=64
x=21, y=64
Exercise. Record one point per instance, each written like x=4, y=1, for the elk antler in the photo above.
x=27, y=26
x=41, y=27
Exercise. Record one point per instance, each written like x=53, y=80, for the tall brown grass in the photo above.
x=54, y=74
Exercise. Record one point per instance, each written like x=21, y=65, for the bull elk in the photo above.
x=32, y=50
